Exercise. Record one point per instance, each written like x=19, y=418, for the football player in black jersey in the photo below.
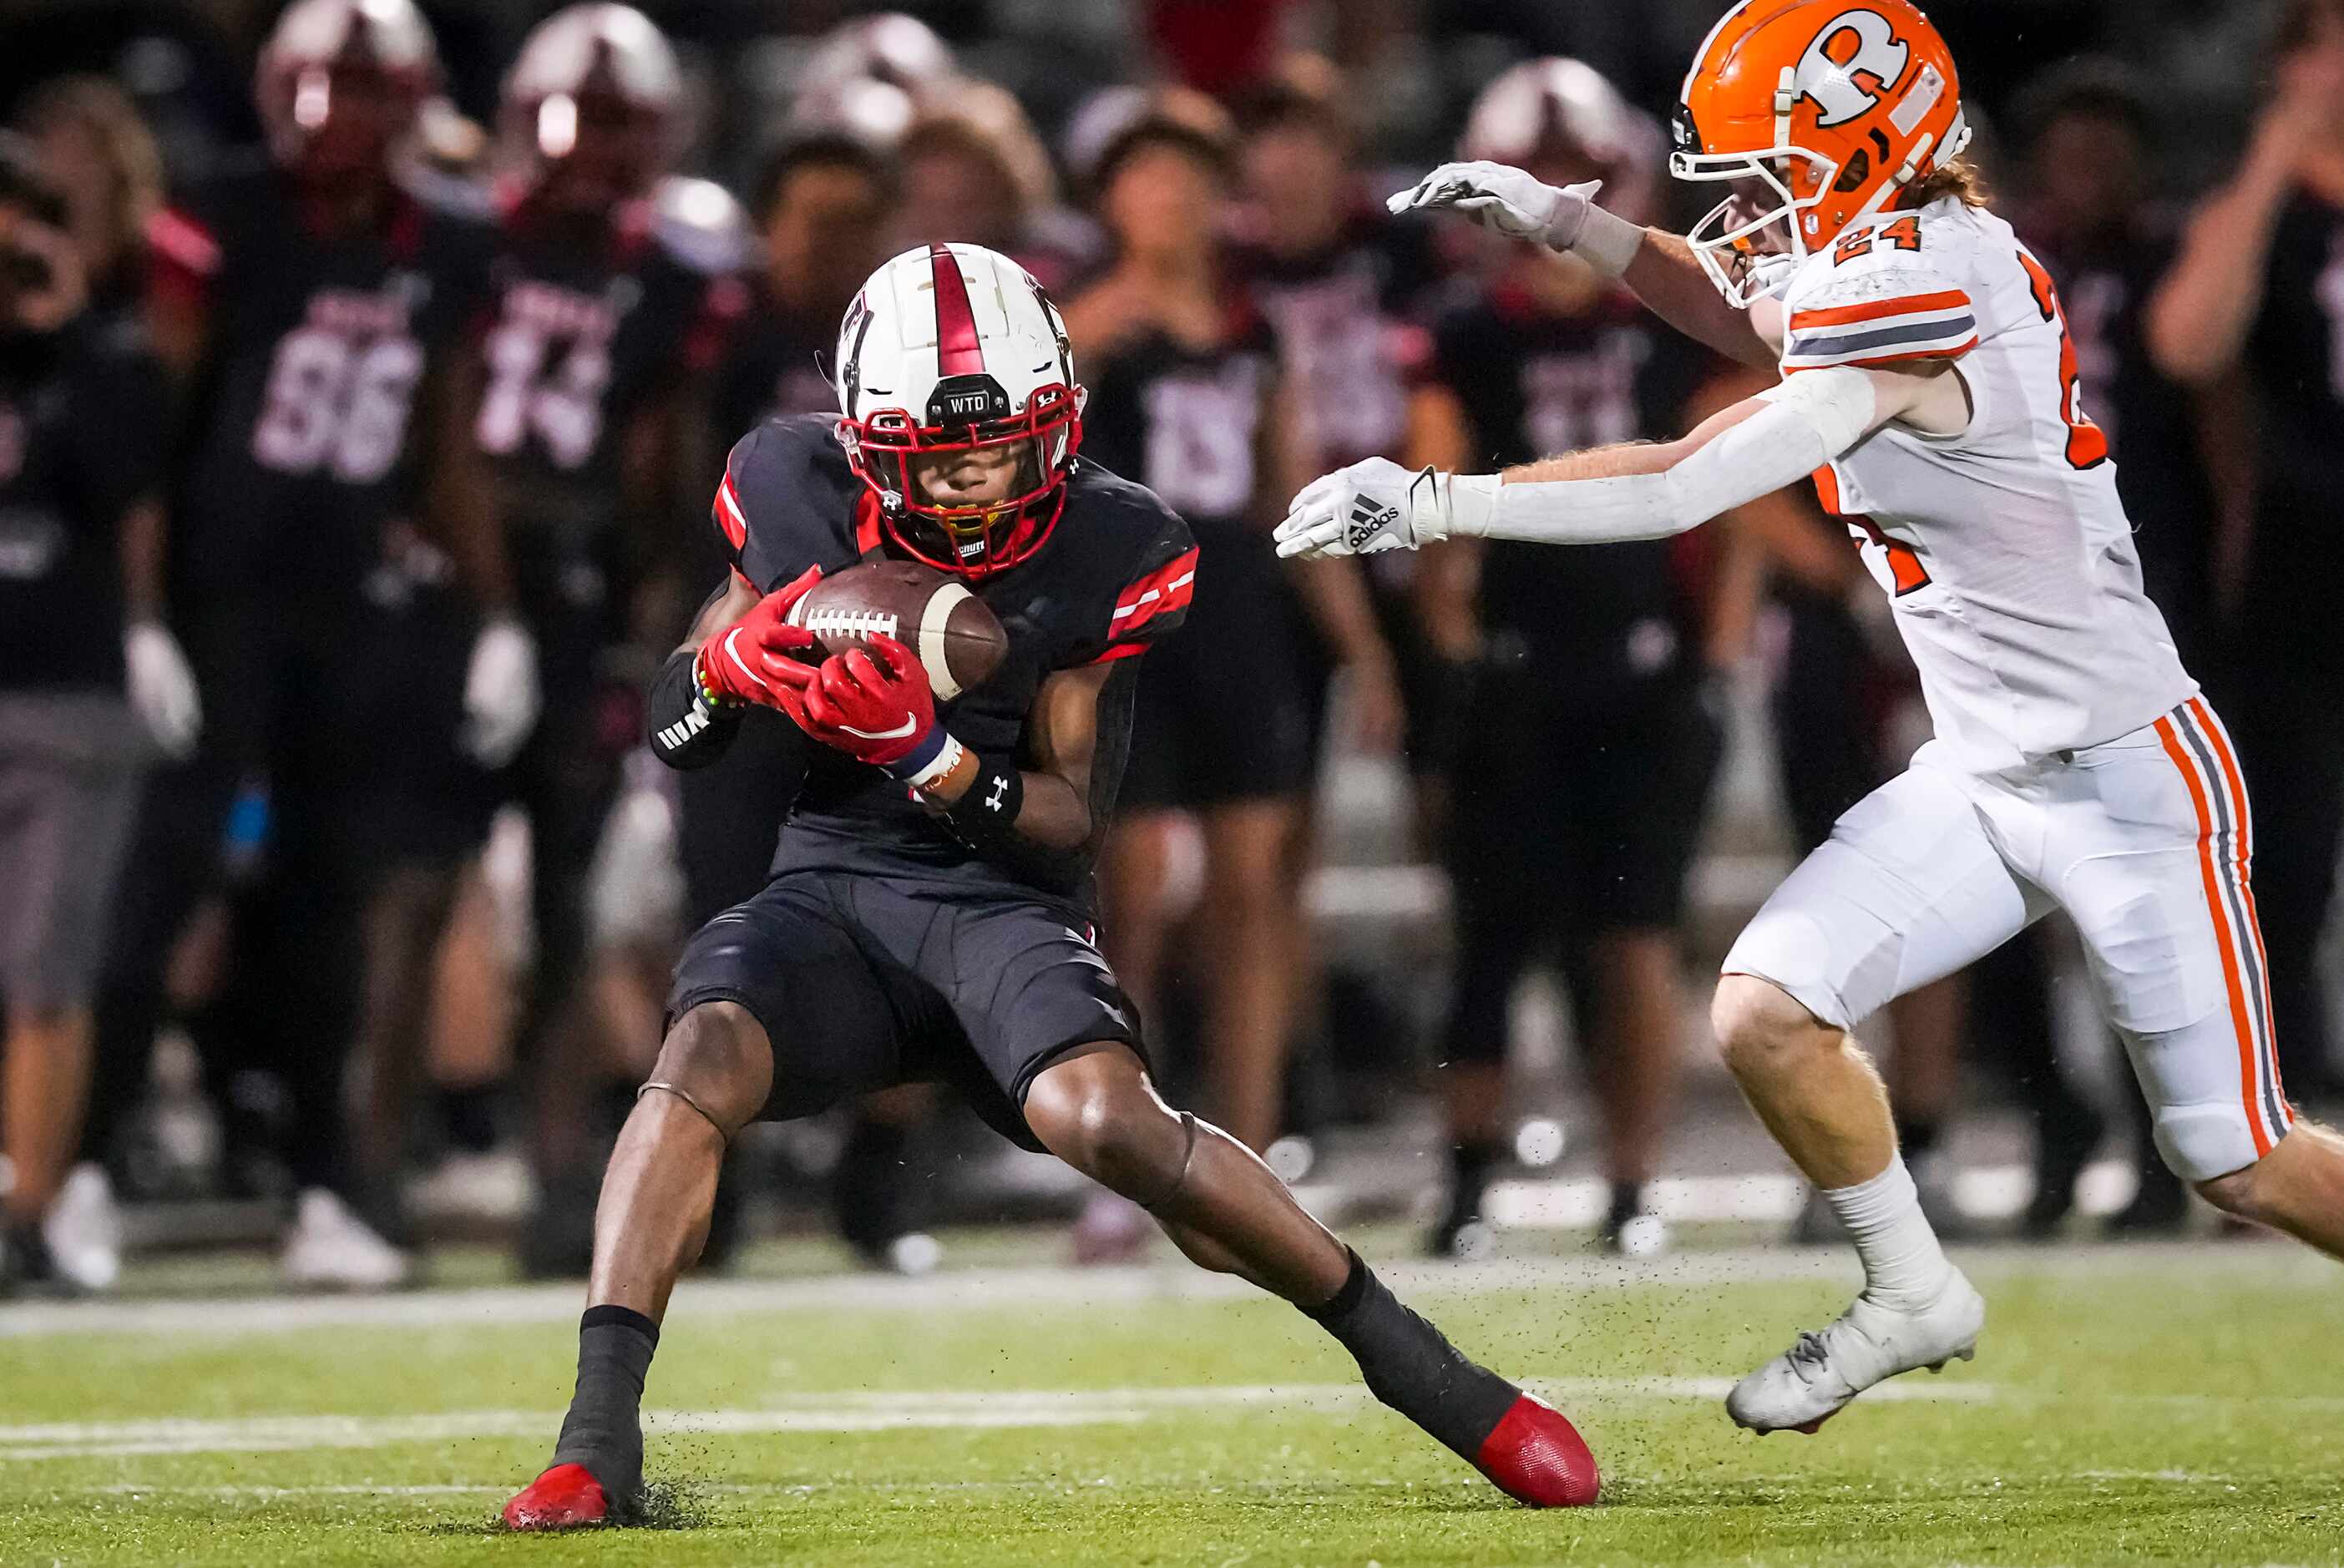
x=612, y=293
x=1592, y=749
x=2259, y=288
x=929, y=913
x=312, y=312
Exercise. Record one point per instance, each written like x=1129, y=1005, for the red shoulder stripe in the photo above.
x=1167, y=588
x=729, y=516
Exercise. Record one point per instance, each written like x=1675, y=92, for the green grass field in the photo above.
x=2166, y=1405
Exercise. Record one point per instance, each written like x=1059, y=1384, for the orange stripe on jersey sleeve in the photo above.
x=1947, y=351
x=1875, y=309
x=2224, y=940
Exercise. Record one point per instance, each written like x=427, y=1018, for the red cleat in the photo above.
x=1534, y=1455
x=568, y=1497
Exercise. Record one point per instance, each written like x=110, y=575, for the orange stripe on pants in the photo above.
x=2222, y=939
x=2236, y=786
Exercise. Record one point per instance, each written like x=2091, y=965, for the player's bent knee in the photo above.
x=1761, y=1029
x=1096, y=1113
x=717, y=1057
x=2211, y=1147
x=2236, y=1194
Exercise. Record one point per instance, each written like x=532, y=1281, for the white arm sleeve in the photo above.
x=1809, y=420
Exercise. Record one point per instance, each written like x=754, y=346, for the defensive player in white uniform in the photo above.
x=1929, y=385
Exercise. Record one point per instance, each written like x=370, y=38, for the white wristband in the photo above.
x=948, y=758
x=1607, y=242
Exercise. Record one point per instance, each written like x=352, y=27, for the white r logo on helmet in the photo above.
x=1831, y=83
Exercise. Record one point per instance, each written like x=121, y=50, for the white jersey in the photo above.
x=2006, y=553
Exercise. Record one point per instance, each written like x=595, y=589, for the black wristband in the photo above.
x=986, y=817
x=687, y=730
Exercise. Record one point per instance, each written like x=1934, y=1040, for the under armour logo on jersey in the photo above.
x=1827, y=72
x=1369, y=520
x=1000, y=790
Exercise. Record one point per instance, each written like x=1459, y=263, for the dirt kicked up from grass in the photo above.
x=2171, y=1405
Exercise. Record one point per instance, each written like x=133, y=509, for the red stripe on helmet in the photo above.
x=957, y=350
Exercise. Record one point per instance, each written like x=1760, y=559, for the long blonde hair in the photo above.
x=104, y=112
x=1957, y=178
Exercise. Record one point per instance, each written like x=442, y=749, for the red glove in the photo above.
x=876, y=706
x=759, y=657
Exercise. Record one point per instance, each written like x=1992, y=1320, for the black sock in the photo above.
x=1469, y=1165
x=469, y=1112
x=1627, y=1202
x=604, y=1429
x=1412, y=1366
x=1916, y=1136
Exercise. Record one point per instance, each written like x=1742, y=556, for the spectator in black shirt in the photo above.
x=80, y=398
x=2258, y=286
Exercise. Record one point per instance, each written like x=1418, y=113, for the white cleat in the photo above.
x=332, y=1249
x=1799, y=1390
x=83, y=1230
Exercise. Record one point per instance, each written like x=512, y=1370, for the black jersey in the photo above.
x=78, y=412
x=2295, y=360
x=2150, y=421
x=1114, y=577
x=1535, y=384
x=2295, y=352
x=301, y=443
x=1188, y=422
x=1345, y=328
x=589, y=326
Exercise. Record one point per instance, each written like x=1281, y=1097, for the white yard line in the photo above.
x=938, y=1409
x=962, y=1290
x=840, y=1412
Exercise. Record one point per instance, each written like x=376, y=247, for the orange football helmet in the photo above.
x=1832, y=107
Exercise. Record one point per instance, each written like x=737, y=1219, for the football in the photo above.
x=958, y=641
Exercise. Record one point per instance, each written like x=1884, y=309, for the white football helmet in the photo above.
x=953, y=347
x=600, y=84
x=1531, y=107
x=341, y=81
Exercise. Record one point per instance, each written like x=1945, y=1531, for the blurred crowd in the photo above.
x=366, y=371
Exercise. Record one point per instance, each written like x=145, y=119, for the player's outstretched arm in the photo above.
x=1610, y=494
x=1657, y=267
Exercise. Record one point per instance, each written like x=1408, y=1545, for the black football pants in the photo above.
x=277, y=679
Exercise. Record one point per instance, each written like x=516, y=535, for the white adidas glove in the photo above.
x=1501, y=198
x=162, y=688
x=501, y=697
x=1371, y=506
